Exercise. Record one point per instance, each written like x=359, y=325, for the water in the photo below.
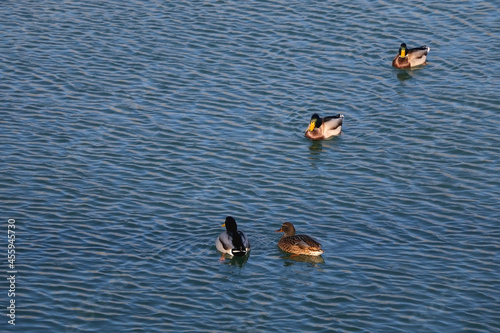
x=130, y=130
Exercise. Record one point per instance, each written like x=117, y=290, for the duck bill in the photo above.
x=311, y=126
x=279, y=230
x=403, y=53
x=224, y=225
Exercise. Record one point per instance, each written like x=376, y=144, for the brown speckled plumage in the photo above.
x=297, y=244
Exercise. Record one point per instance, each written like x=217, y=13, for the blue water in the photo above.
x=130, y=130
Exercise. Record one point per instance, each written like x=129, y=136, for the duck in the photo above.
x=297, y=244
x=232, y=241
x=324, y=128
x=407, y=58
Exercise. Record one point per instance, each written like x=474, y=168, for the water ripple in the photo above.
x=131, y=130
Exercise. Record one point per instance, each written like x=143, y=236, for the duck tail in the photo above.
x=424, y=48
x=239, y=252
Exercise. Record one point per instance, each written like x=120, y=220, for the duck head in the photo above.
x=288, y=229
x=315, y=122
x=230, y=224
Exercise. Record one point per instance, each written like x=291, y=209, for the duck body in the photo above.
x=297, y=244
x=407, y=58
x=232, y=241
x=324, y=128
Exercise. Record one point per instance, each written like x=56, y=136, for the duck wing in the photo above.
x=305, y=242
x=225, y=240
x=328, y=118
x=418, y=52
x=244, y=239
x=333, y=122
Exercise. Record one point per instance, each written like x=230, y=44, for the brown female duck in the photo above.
x=298, y=244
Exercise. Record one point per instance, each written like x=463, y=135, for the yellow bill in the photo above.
x=312, y=125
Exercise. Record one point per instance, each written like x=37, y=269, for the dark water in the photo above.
x=130, y=130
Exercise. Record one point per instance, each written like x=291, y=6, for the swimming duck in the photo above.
x=232, y=241
x=297, y=244
x=324, y=128
x=407, y=58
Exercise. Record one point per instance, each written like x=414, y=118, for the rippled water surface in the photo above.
x=130, y=130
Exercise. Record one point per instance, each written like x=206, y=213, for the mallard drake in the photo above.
x=297, y=244
x=324, y=128
x=407, y=58
x=232, y=241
